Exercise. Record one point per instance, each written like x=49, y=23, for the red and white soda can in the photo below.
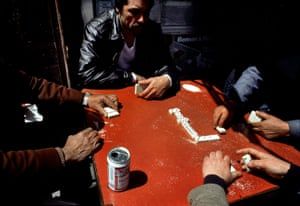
x=118, y=168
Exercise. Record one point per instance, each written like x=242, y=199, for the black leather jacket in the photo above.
x=102, y=44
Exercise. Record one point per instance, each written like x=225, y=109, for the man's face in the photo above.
x=134, y=15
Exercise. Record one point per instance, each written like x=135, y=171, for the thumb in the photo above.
x=101, y=110
x=262, y=115
x=256, y=164
x=144, y=81
x=235, y=175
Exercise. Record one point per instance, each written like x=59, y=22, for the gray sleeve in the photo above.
x=248, y=84
x=294, y=126
x=208, y=195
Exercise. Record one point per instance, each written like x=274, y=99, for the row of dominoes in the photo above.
x=190, y=130
x=184, y=122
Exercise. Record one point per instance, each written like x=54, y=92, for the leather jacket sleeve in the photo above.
x=98, y=60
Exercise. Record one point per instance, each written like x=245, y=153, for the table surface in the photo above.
x=165, y=163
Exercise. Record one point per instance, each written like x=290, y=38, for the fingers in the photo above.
x=149, y=93
x=113, y=98
x=263, y=115
x=221, y=119
x=94, y=139
x=235, y=175
x=256, y=154
x=218, y=155
x=220, y=115
x=257, y=164
x=85, y=131
x=111, y=102
x=216, y=119
x=145, y=82
x=90, y=133
x=101, y=110
x=251, y=151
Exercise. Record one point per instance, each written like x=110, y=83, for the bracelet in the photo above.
x=85, y=99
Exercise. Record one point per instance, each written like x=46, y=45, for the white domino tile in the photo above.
x=111, y=112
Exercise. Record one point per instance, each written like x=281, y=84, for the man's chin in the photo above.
x=137, y=29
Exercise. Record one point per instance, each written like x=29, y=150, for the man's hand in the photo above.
x=270, y=164
x=220, y=116
x=155, y=87
x=81, y=145
x=271, y=126
x=98, y=102
x=218, y=164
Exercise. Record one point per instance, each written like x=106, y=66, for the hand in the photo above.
x=271, y=126
x=98, y=101
x=218, y=164
x=220, y=116
x=268, y=163
x=81, y=145
x=155, y=87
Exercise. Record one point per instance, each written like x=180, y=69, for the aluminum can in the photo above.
x=118, y=164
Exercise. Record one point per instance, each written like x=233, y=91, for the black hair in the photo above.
x=120, y=3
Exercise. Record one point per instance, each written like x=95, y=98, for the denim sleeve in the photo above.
x=248, y=84
x=294, y=126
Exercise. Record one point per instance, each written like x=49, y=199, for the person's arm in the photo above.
x=239, y=91
x=28, y=163
x=288, y=173
x=39, y=89
x=98, y=63
x=217, y=175
x=17, y=165
x=212, y=192
x=248, y=85
x=268, y=163
x=273, y=127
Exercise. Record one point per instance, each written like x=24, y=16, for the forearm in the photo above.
x=213, y=192
x=28, y=163
x=208, y=195
x=42, y=90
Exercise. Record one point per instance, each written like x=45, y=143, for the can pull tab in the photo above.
x=115, y=154
x=119, y=156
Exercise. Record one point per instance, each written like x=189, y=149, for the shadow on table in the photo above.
x=137, y=179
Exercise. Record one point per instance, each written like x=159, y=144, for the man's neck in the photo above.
x=129, y=38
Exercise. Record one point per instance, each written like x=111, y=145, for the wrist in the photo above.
x=85, y=99
x=215, y=179
x=61, y=155
x=169, y=78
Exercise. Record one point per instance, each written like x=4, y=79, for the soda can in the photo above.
x=118, y=163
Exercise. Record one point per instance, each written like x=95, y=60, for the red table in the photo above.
x=165, y=164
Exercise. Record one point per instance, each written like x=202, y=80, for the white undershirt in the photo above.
x=126, y=57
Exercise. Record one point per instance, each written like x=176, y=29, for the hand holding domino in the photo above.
x=246, y=158
x=138, y=88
